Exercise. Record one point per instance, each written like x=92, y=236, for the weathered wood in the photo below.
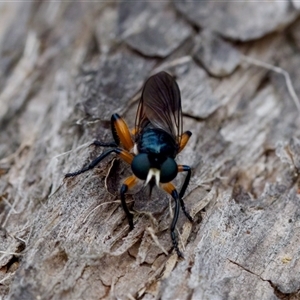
x=242, y=21
x=65, y=68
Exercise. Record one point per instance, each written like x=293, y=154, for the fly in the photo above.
x=158, y=138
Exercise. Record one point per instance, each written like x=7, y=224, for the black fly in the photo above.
x=158, y=138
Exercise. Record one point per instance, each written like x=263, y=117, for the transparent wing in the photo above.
x=160, y=105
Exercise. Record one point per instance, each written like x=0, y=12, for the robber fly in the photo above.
x=158, y=138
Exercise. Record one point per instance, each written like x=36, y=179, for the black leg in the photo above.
x=174, y=221
x=129, y=215
x=183, y=168
x=100, y=144
x=95, y=162
x=115, y=121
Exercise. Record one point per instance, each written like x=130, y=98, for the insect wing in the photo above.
x=160, y=105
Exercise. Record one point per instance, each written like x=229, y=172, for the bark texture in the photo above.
x=66, y=67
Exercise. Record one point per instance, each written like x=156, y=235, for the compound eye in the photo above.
x=140, y=166
x=168, y=170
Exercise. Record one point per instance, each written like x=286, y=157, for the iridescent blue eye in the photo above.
x=168, y=170
x=140, y=166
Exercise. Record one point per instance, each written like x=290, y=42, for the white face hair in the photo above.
x=153, y=172
x=135, y=150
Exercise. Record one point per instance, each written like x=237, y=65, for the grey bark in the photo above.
x=66, y=67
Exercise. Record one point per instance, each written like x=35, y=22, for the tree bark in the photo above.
x=65, y=68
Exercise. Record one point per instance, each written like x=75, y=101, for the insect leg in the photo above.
x=184, y=139
x=170, y=189
x=183, y=168
x=100, y=144
x=129, y=183
x=126, y=156
x=121, y=132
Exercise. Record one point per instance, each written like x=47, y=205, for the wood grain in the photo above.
x=65, y=68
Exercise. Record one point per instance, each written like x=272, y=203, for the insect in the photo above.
x=158, y=138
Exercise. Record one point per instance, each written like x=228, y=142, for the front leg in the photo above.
x=126, y=156
x=100, y=144
x=170, y=189
x=183, y=168
x=128, y=184
x=120, y=132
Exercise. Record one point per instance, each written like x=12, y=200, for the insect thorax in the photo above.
x=157, y=142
